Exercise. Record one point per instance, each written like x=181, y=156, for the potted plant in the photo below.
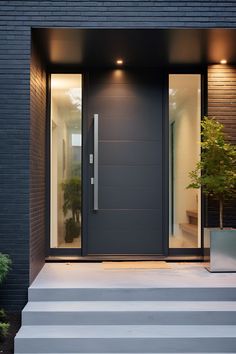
x=72, y=204
x=215, y=173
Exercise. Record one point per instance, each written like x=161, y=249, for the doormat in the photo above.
x=136, y=265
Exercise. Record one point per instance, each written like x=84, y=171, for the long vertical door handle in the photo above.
x=95, y=164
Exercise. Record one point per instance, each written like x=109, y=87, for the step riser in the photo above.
x=121, y=345
x=156, y=294
x=121, y=318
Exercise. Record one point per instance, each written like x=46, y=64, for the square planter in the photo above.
x=220, y=249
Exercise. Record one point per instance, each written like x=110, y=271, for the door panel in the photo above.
x=129, y=219
x=136, y=176
x=129, y=152
x=126, y=232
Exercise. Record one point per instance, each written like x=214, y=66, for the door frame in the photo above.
x=202, y=71
x=82, y=252
x=49, y=251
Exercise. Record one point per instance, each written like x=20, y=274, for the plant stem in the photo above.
x=221, y=212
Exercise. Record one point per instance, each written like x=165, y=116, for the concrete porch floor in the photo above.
x=93, y=275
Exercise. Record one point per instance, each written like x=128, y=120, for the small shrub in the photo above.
x=4, y=328
x=5, y=266
x=3, y=315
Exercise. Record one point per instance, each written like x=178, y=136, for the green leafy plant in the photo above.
x=5, y=266
x=216, y=171
x=72, y=203
x=4, y=328
x=2, y=315
x=72, y=229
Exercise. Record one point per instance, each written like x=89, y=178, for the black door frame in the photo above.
x=82, y=252
x=202, y=70
x=49, y=251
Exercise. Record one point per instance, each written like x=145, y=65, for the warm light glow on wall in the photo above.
x=118, y=73
x=223, y=61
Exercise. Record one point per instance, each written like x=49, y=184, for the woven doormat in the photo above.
x=136, y=265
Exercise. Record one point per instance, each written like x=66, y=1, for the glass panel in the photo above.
x=184, y=152
x=66, y=157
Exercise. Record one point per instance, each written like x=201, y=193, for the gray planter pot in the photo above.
x=220, y=249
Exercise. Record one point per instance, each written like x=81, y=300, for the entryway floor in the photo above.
x=96, y=275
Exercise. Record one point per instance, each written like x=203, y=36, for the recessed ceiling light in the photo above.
x=119, y=61
x=223, y=61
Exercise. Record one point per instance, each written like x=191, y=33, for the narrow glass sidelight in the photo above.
x=184, y=152
x=66, y=160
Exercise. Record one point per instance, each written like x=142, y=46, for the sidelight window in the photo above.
x=66, y=159
x=184, y=152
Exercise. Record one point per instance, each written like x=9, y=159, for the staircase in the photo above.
x=163, y=319
x=192, y=226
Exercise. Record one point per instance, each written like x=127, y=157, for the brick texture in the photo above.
x=14, y=160
x=117, y=14
x=222, y=106
x=37, y=163
x=22, y=201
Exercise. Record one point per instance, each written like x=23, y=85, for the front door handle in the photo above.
x=95, y=163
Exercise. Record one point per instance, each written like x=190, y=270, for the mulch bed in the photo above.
x=7, y=346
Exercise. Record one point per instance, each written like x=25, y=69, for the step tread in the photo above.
x=192, y=213
x=190, y=228
x=128, y=306
x=127, y=331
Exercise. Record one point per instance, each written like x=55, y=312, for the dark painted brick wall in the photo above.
x=14, y=159
x=222, y=97
x=37, y=163
x=16, y=20
x=222, y=106
x=124, y=13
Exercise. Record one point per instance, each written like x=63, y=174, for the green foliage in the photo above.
x=2, y=315
x=5, y=266
x=72, y=229
x=4, y=328
x=72, y=197
x=72, y=202
x=216, y=171
x=76, y=168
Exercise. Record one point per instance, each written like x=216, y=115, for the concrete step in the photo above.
x=126, y=339
x=167, y=293
x=129, y=312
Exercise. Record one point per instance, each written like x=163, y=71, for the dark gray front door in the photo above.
x=130, y=180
